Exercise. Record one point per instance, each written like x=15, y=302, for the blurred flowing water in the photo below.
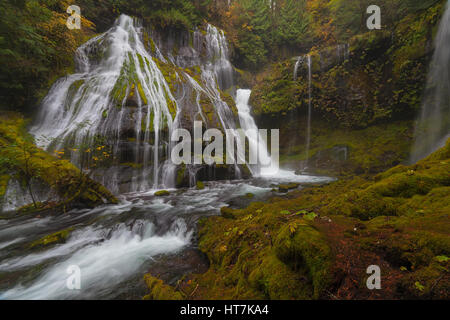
x=433, y=127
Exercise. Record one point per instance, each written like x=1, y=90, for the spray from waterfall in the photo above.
x=433, y=127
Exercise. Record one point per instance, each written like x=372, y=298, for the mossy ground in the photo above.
x=20, y=159
x=320, y=242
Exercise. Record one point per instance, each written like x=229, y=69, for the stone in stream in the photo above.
x=285, y=188
x=162, y=193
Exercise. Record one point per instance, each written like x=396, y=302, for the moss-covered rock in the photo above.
x=51, y=239
x=24, y=161
x=162, y=193
x=287, y=187
x=159, y=291
x=200, y=185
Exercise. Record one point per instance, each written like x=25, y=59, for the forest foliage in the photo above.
x=36, y=47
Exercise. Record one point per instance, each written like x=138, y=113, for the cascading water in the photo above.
x=308, y=125
x=433, y=128
x=300, y=61
x=266, y=164
x=343, y=52
x=120, y=97
x=92, y=103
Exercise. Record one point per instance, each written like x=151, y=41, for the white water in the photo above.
x=73, y=112
x=267, y=166
x=433, y=127
x=271, y=171
x=81, y=107
x=104, y=263
x=113, y=244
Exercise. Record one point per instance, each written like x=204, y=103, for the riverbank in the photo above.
x=320, y=243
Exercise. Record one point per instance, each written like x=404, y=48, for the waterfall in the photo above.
x=255, y=140
x=433, y=127
x=343, y=52
x=308, y=125
x=297, y=65
x=121, y=97
x=114, y=72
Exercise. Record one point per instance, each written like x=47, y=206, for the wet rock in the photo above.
x=285, y=188
x=200, y=185
x=162, y=193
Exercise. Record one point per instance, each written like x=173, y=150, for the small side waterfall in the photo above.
x=308, y=125
x=255, y=140
x=343, y=52
x=433, y=127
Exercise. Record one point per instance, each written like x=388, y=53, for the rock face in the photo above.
x=133, y=87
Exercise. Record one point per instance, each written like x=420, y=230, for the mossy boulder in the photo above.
x=24, y=161
x=200, y=185
x=162, y=193
x=284, y=188
x=51, y=239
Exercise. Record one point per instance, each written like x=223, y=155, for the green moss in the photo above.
x=227, y=213
x=279, y=282
x=181, y=176
x=159, y=291
x=54, y=238
x=288, y=187
x=302, y=247
x=258, y=253
x=73, y=187
x=142, y=94
x=162, y=193
x=200, y=185
x=4, y=179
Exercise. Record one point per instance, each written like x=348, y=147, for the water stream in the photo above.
x=115, y=245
